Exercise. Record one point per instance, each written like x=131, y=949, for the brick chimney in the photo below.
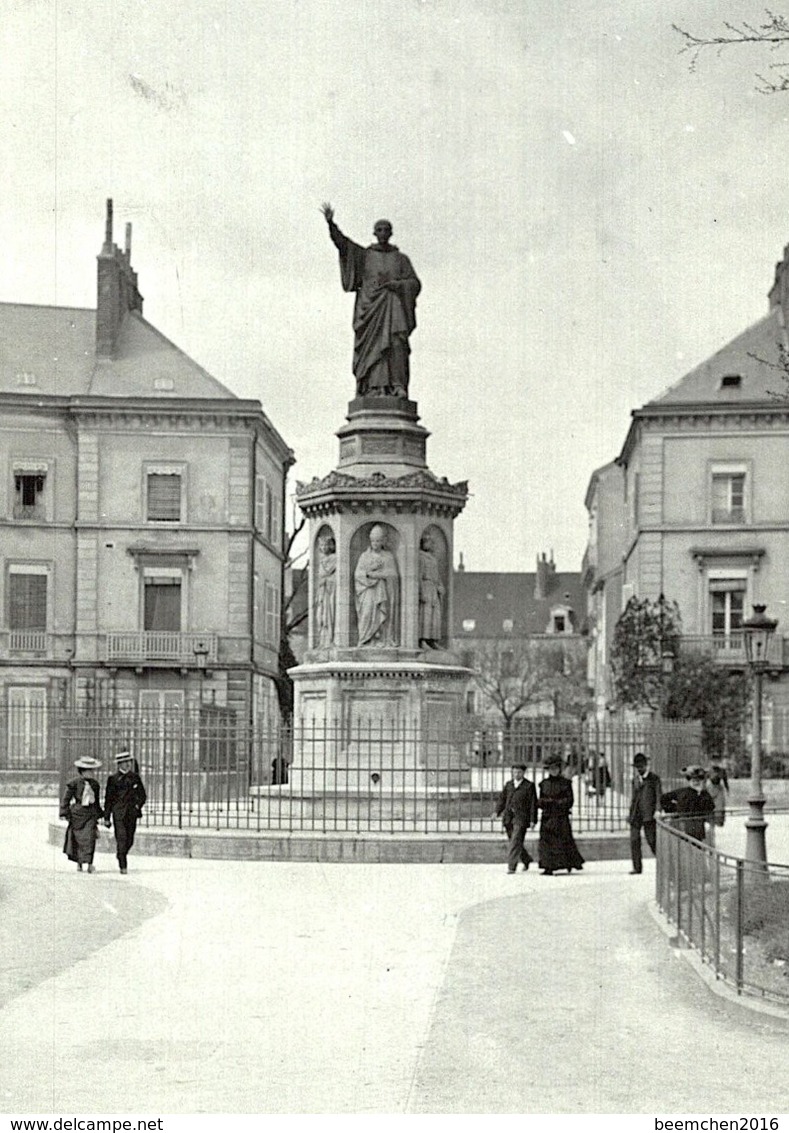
x=117, y=289
x=543, y=580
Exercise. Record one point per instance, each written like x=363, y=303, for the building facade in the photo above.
x=508, y=626
x=698, y=504
x=141, y=505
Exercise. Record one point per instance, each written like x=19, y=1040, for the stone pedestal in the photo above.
x=381, y=715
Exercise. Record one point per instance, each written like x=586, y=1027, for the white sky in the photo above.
x=589, y=220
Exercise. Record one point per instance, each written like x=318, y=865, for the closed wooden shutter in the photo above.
x=27, y=601
x=164, y=497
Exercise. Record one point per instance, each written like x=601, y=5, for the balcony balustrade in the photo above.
x=729, y=649
x=28, y=641
x=140, y=646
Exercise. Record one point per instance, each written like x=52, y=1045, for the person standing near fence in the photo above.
x=517, y=806
x=647, y=790
x=123, y=802
x=81, y=807
x=557, y=848
x=691, y=806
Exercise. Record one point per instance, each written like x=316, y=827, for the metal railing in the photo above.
x=728, y=909
x=210, y=767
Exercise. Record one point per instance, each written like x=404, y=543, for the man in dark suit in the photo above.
x=517, y=806
x=643, y=804
x=123, y=801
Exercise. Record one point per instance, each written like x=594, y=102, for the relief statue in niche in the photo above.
x=431, y=594
x=377, y=590
x=326, y=595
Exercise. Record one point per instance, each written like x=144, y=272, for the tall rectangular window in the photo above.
x=162, y=604
x=31, y=498
x=27, y=600
x=727, y=603
x=164, y=497
x=728, y=497
x=260, y=504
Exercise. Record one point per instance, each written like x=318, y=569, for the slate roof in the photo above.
x=57, y=347
x=489, y=597
x=703, y=384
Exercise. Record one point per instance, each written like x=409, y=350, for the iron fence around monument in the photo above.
x=213, y=768
x=730, y=910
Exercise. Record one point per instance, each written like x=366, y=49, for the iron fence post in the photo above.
x=740, y=923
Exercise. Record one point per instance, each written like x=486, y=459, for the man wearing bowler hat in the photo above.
x=643, y=804
x=124, y=799
x=517, y=806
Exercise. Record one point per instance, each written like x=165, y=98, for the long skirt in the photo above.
x=81, y=834
x=557, y=848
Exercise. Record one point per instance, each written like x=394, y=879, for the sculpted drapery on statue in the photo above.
x=431, y=594
x=376, y=583
x=384, y=314
x=326, y=591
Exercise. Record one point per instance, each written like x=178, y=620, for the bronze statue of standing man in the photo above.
x=384, y=315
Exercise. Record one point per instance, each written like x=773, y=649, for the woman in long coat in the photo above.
x=557, y=848
x=80, y=806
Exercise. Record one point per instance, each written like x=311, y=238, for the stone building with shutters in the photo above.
x=141, y=506
x=696, y=507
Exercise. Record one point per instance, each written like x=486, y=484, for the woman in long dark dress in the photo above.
x=557, y=848
x=80, y=805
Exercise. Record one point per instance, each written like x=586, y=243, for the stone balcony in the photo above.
x=160, y=647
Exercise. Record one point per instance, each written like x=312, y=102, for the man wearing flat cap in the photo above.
x=692, y=806
x=123, y=801
x=517, y=806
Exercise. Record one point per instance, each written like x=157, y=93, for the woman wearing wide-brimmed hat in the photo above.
x=557, y=848
x=692, y=807
x=80, y=806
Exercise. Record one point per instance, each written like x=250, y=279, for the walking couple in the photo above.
x=518, y=805
x=80, y=805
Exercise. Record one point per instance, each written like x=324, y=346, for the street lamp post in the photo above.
x=756, y=634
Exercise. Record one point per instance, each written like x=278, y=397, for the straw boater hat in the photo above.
x=694, y=771
x=124, y=757
x=87, y=763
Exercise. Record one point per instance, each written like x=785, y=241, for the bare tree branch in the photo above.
x=771, y=34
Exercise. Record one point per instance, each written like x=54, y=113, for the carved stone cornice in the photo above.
x=703, y=555
x=373, y=670
x=420, y=491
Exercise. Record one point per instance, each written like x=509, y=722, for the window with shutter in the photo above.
x=164, y=497
x=27, y=601
x=260, y=504
x=269, y=514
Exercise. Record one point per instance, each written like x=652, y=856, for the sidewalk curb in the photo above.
x=716, y=985
x=338, y=846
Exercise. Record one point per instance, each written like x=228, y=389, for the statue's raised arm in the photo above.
x=384, y=316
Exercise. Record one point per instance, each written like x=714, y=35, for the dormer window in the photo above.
x=561, y=620
x=731, y=381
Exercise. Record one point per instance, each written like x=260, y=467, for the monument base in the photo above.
x=379, y=727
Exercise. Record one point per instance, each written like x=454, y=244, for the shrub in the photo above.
x=767, y=918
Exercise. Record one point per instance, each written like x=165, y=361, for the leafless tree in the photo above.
x=515, y=677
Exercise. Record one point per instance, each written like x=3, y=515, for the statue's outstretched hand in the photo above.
x=327, y=211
